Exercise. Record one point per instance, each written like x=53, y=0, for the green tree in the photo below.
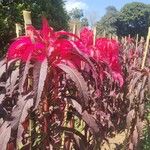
x=11, y=13
x=134, y=19
x=77, y=17
x=84, y=22
x=76, y=14
x=108, y=21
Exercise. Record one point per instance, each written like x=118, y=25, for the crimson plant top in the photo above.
x=46, y=43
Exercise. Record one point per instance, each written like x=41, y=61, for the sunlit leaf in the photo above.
x=5, y=132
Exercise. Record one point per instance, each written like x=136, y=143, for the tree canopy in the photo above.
x=76, y=14
x=133, y=18
x=84, y=22
x=11, y=13
x=77, y=17
x=108, y=21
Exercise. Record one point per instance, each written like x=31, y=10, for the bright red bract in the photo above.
x=45, y=43
x=106, y=50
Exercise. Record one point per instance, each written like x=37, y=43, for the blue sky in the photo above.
x=96, y=8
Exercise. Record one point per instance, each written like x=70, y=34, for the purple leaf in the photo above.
x=2, y=62
x=134, y=81
x=5, y=132
x=141, y=109
x=138, y=89
x=2, y=66
x=10, y=83
x=140, y=126
x=130, y=117
x=149, y=83
x=91, y=122
x=3, y=112
x=77, y=106
x=135, y=137
x=39, y=75
x=76, y=76
x=144, y=81
x=24, y=74
x=2, y=96
x=25, y=113
x=87, y=59
x=2, y=69
x=142, y=95
x=131, y=146
x=20, y=111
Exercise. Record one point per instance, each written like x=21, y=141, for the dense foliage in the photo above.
x=107, y=23
x=78, y=19
x=11, y=13
x=133, y=18
x=59, y=93
x=76, y=13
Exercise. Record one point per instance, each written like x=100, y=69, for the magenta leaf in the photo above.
x=20, y=49
x=86, y=35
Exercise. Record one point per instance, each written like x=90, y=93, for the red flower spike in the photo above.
x=46, y=30
x=108, y=51
x=105, y=50
x=41, y=44
x=85, y=43
x=21, y=48
x=86, y=36
x=38, y=43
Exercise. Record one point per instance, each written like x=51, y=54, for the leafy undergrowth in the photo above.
x=58, y=93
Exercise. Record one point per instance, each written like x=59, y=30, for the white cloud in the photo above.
x=70, y=4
